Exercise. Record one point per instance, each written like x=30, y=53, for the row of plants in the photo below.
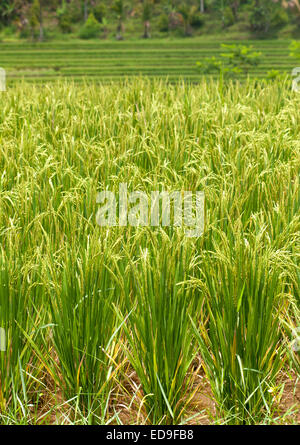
x=102, y=18
x=102, y=320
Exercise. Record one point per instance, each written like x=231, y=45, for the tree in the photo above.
x=147, y=10
x=40, y=19
x=237, y=59
x=187, y=13
x=241, y=57
x=119, y=8
x=260, y=18
x=7, y=9
x=64, y=18
x=91, y=28
x=11, y=10
x=100, y=11
x=85, y=10
x=294, y=6
x=234, y=6
x=36, y=18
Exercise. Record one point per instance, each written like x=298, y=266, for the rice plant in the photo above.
x=85, y=331
x=84, y=306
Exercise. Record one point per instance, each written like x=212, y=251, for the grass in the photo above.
x=99, y=319
x=107, y=60
x=83, y=302
x=159, y=334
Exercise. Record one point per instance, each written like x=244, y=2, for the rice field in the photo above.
x=108, y=60
x=144, y=325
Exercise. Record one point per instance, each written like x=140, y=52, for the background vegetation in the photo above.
x=180, y=59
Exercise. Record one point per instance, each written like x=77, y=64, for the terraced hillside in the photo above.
x=106, y=60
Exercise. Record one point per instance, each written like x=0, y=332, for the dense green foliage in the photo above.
x=237, y=60
x=147, y=18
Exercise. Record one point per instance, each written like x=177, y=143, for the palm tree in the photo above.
x=7, y=9
x=146, y=15
x=119, y=8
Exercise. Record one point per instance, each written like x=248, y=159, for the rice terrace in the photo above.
x=149, y=213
